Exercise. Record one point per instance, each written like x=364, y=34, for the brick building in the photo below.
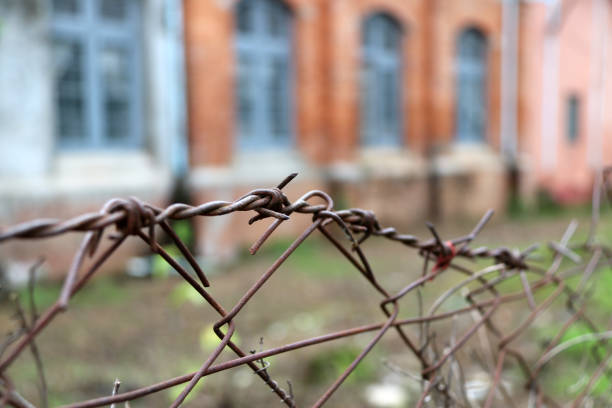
x=368, y=99
x=359, y=94
x=351, y=93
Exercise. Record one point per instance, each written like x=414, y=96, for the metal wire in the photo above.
x=441, y=377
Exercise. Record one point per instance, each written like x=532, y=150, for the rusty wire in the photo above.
x=441, y=379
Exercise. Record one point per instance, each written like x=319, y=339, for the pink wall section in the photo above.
x=575, y=68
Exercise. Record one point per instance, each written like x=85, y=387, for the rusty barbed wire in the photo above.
x=441, y=379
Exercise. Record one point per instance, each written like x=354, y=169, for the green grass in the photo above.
x=546, y=206
x=328, y=365
x=313, y=257
x=565, y=384
x=104, y=290
x=602, y=290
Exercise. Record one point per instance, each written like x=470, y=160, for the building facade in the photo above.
x=377, y=98
x=92, y=107
x=565, y=94
x=409, y=107
x=356, y=95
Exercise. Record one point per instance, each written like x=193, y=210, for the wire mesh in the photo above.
x=441, y=354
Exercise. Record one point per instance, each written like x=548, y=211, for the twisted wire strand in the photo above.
x=272, y=202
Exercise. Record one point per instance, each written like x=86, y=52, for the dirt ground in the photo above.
x=146, y=330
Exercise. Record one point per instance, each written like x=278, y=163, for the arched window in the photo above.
x=471, y=86
x=263, y=56
x=381, y=87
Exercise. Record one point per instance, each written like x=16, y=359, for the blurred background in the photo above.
x=416, y=109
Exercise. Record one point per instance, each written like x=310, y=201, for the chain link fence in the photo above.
x=565, y=283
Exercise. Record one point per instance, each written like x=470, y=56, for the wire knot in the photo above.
x=274, y=207
x=448, y=251
x=367, y=220
x=137, y=216
x=278, y=200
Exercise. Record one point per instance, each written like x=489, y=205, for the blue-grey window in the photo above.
x=471, y=86
x=263, y=85
x=381, y=88
x=573, y=118
x=96, y=73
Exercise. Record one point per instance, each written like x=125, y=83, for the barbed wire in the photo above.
x=441, y=381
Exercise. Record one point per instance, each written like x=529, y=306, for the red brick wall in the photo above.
x=327, y=54
x=327, y=46
x=209, y=61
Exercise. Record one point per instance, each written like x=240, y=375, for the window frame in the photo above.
x=383, y=61
x=257, y=46
x=89, y=28
x=480, y=71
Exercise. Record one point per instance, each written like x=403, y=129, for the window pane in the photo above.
x=245, y=16
x=573, y=118
x=380, y=89
x=262, y=83
x=389, y=102
x=276, y=19
x=246, y=104
x=369, y=32
x=114, y=65
x=391, y=36
x=471, y=86
x=278, y=98
x=472, y=45
x=70, y=110
x=66, y=6
x=113, y=9
x=368, y=102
